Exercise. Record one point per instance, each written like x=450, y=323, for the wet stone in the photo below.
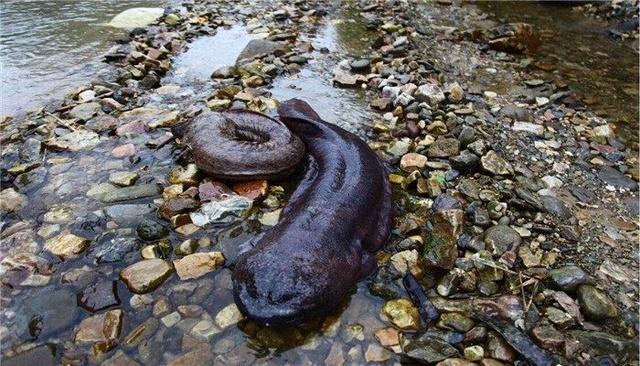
x=43, y=355
x=123, y=179
x=402, y=314
x=131, y=193
x=102, y=330
x=455, y=321
x=47, y=312
x=259, y=47
x=228, y=316
x=67, y=245
x=99, y=296
x=145, y=276
x=10, y=200
x=429, y=349
x=568, y=278
x=198, y=264
x=114, y=249
x=128, y=214
x=595, y=304
x=254, y=190
x=150, y=230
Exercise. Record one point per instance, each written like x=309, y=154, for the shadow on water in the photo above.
x=580, y=51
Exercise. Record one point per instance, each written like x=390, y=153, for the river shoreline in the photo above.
x=509, y=195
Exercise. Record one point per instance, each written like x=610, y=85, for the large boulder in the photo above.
x=136, y=17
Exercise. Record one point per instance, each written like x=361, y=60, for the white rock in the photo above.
x=528, y=127
x=231, y=209
x=136, y=17
x=552, y=182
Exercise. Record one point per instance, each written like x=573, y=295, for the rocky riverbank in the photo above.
x=517, y=207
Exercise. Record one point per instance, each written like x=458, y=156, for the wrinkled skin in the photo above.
x=243, y=145
x=337, y=218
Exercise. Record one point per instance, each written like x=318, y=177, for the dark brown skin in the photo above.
x=337, y=218
x=243, y=145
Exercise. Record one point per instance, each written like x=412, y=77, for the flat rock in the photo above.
x=99, y=296
x=613, y=177
x=131, y=193
x=136, y=17
x=67, y=245
x=198, y=264
x=43, y=355
x=145, y=276
x=495, y=164
x=85, y=111
x=259, y=47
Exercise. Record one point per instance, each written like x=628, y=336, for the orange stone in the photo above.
x=254, y=189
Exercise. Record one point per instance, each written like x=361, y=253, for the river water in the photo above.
x=581, y=51
x=49, y=48
x=41, y=38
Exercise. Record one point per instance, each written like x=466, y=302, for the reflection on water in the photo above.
x=345, y=108
x=49, y=48
x=578, y=50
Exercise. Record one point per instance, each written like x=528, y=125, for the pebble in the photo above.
x=474, y=353
x=198, y=264
x=595, y=304
x=99, y=296
x=145, y=276
x=568, y=278
x=67, y=245
x=124, y=151
x=402, y=314
x=496, y=165
x=228, y=316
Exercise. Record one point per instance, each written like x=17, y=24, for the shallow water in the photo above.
x=580, y=51
x=49, y=48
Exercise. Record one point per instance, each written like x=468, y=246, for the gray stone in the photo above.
x=613, y=177
x=85, y=111
x=136, y=17
x=128, y=214
x=429, y=349
x=258, y=47
x=114, y=249
x=556, y=207
x=568, y=278
x=131, y=193
x=43, y=355
x=47, y=312
x=501, y=238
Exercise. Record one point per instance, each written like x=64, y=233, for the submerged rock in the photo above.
x=198, y=264
x=231, y=209
x=47, y=312
x=402, y=313
x=145, y=276
x=429, y=349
